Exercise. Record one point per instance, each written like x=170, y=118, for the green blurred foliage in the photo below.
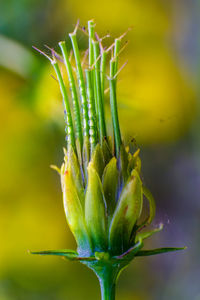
x=157, y=102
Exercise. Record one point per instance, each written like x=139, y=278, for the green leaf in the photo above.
x=68, y=254
x=74, y=210
x=126, y=214
x=110, y=184
x=158, y=251
x=145, y=235
x=95, y=210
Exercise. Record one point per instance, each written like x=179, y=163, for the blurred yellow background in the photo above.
x=158, y=99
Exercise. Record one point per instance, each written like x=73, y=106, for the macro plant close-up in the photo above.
x=99, y=150
x=100, y=177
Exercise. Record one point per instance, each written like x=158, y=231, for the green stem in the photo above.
x=116, y=53
x=113, y=106
x=107, y=278
x=81, y=84
x=91, y=38
x=103, y=71
x=101, y=114
x=72, y=84
x=91, y=111
x=69, y=122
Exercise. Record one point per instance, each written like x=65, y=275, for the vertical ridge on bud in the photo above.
x=77, y=116
x=81, y=85
x=100, y=106
x=113, y=106
x=69, y=122
x=91, y=111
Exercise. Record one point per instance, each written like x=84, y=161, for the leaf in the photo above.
x=110, y=184
x=95, y=210
x=126, y=214
x=68, y=254
x=145, y=235
x=74, y=211
x=158, y=251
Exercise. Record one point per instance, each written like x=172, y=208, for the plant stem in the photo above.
x=77, y=116
x=101, y=114
x=107, y=289
x=107, y=276
x=69, y=122
x=113, y=106
x=81, y=82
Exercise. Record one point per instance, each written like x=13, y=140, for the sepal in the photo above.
x=74, y=211
x=68, y=254
x=97, y=160
x=126, y=214
x=95, y=210
x=147, y=234
x=158, y=251
x=110, y=183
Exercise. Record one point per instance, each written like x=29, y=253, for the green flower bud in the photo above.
x=100, y=178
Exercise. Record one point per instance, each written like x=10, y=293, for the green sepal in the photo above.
x=95, y=210
x=152, y=207
x=110, y=144
x=65, y=253
x=97, y=160
x=126, y=214
x=74, y=211
x=158, y=251
x=107, y=154
x=147, y=234
x=110, y=181
x=134, y=162
x=74, y=167
x=69, y=254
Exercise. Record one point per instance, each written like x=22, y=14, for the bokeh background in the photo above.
x=159, y=99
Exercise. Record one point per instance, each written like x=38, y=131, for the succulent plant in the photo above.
x=101, y=179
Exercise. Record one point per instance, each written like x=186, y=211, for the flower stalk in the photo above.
x=103, y=192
